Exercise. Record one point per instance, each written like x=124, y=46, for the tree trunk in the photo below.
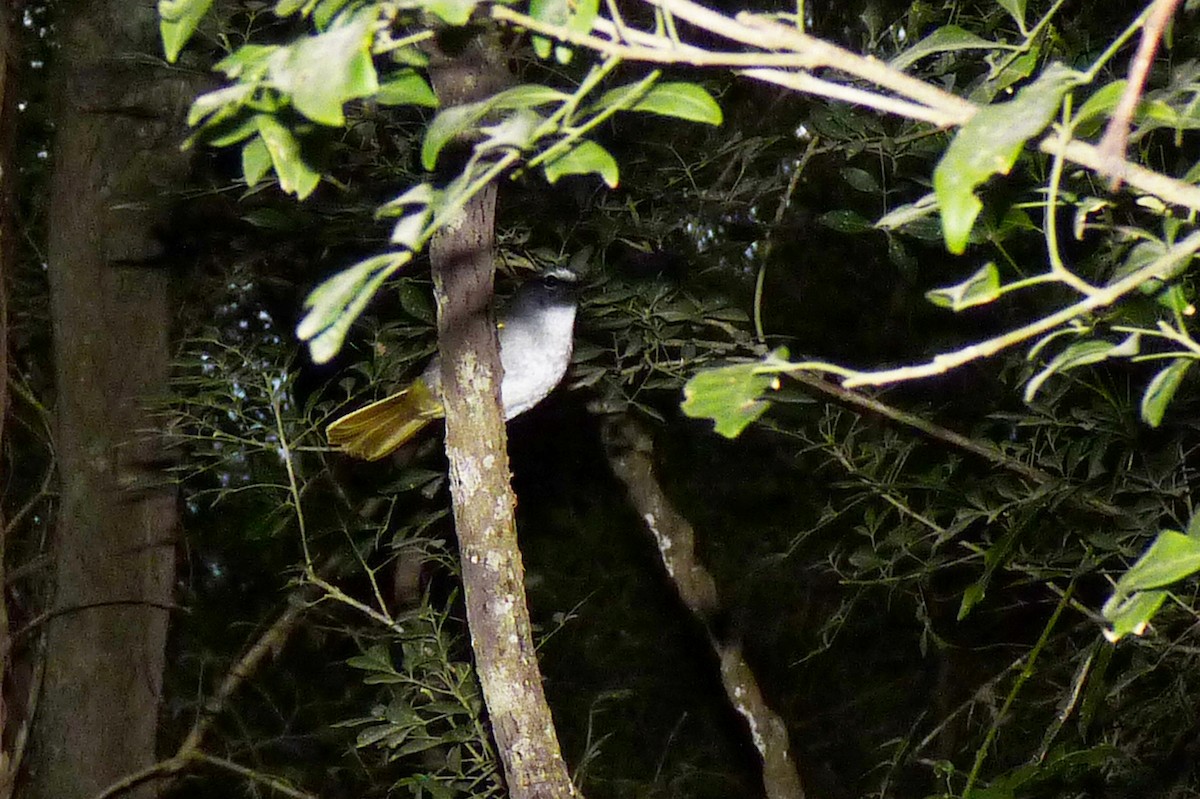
x=8, y=124
x=116, y=158
x=484, y=521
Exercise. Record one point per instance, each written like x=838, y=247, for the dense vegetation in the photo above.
x=929, y=579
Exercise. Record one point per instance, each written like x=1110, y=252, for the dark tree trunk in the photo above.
x=9, y=65
x=116, y=158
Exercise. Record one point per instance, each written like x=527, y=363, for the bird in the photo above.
x=536, y=334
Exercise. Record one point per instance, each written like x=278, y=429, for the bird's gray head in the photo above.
x=555, y=287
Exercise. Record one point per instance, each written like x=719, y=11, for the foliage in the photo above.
x=931, y=611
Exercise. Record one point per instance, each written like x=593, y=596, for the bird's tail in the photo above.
x=382, y=427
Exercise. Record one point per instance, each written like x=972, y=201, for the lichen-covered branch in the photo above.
x=492, y=571
x=630, y=451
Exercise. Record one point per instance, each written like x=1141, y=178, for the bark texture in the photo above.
x=115, y=161
x=493, y=575
x=8, y=123
x=630, y=454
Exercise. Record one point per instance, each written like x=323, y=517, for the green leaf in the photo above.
x=452, y=12
x=247, y=63
x=1172, y=557
x=446, y=126
x=451, y=123
x=1131, y=615
x=844, y=221
x=408, y=230
x=1082, y=353
x=295, y=176
x=335, y=304
x=989, y=144
x=516, y=130
x=285, y=8
x=945, y=39
x=256, y=161
x=238, y=126
x=680, y=100
x=323, y=72
x=178, y=21
x=1013, y=72
x=374, y=659
x=980, y=288
x=908, y=213
x=1101, y=103
x=415, y=302
x=584, y=158
x=326, y=11
x=527, y=95
x=1015, y=9
x=551, y=12
x=211, y=103
x=732, y=395
x=1162, y=389
x=860, y=180
x=420, y=194
x=406, y=87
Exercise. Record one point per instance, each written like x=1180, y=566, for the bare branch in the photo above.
x=630, y=454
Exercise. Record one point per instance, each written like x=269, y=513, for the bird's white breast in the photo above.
x=535, y=353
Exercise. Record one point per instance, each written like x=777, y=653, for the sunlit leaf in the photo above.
x=212, y=102
x=446, y=126
x=285, y=8
x=326, y=11
x=1082, y=353
x=515, y=130
x=1101, y=103
x=980, y=288
x=295, y=176
x=551, y=12
x=731, y=396
x=248, y=62
x=452, y=12
x=407, y=232
x=177, y=23
x=420, y=194
x=406, y=87
x=1172, y=557
x=584, y=158
x=1130, y=615
x=256, y=161
x=450, y=123
x=680, y=100
x=908, y=213
x=989, y=144
x=334, y=305
x=945, y=39
x=527, y=95
x=323, y=72
x=1161, y=390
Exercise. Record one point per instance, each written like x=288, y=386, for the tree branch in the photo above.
x=461, y=255
x=630, y=454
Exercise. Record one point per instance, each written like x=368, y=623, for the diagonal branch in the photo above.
x=630, y=454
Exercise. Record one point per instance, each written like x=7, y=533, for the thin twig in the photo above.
x=942, y=363
x=957, y=440
x=1116, y=136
